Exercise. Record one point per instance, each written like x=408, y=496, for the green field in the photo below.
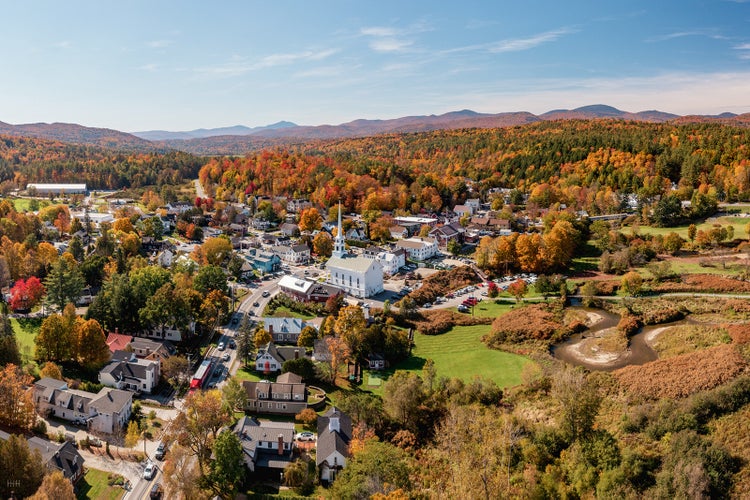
x=26, y=331
x=94, y=485
x=738, y=223
x=460, y=353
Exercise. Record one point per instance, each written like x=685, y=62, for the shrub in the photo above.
x=629, y=325
x=607, y=287
x=441, y=320
x=443, y=282
x=739, y=333
x=531, y=322
x=683, y=375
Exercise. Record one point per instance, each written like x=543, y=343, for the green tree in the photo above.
x=579, y=399
x=234, y=395
x=64, y=284
x=454, y=247
x=667, y=211
x=300, y=476
x=692, y=230
x=379, y=468
x=245, y=339
x=228, y=466
x=175, y=369
x=304, y=367
x=9, y=352
x=210, y=278
x=588, y=292
x=403, y=395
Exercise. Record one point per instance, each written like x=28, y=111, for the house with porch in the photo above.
x=334, y=436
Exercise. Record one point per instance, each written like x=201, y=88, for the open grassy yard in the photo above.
x=460, y=353
x=285, y=312
x=738, y=223
x=26, y=330
x=248, y=374
x=95, y=485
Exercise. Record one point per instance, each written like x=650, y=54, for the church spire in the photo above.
x=339, y=249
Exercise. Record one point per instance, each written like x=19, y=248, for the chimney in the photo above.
x=281, y=444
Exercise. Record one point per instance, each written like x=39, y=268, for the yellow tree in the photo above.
x=198, y=424
x=323, y=244
x=338, y=355
x=559, y=245
x=123, y=225
x=217, y=251
x=91, y=344
x=16, y=403
x=310, y=220
x=54, y=487
x=51, y=370
x=528, y=249
x=349, y=326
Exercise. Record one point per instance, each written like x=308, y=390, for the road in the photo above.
x=199, y=191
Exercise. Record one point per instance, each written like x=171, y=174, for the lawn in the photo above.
x=460, y=353
x=249, y=374
x=26, y=330
x=95, y=485
x=285, y=312
x=738, y=223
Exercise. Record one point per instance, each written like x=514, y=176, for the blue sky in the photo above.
x=141, y=65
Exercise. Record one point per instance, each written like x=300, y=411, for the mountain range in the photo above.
x=239, y=138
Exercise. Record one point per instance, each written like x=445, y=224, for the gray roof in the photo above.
x=333, y=440
x=357, y=264
x=61, y=456
x=112, y=400
x=284, y=325
x=252, y=431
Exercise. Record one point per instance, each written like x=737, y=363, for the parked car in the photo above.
x=462, y=309
x=256, y=304
x=305, y=436
x=149, y=471
x=232, y=344
x=155, y=491
x=160, y=451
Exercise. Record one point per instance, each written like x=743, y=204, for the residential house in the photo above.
x=286, y=396
x=270, y=358
x=127, y=372
x=392, y=261
x=304, y=290
x=334, y=436
x=63, y=457
x=447, y=233
x=321, y=353
x=284, y=330
x=106, y=411
x=152, y=349
x=293, y=254
x=463, y=211
x=474, y=204
x=118, y=342
x=375, y=361
x=289, y=229
x=356, y=234
x=297, y=205
x=166, y=258
x=398, y=232
x=266, y=262
x=266, y=446
x=419, y=249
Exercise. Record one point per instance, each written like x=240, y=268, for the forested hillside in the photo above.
x=583, y=164
x=24, y=159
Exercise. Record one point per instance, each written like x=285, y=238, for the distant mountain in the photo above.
x=164, y=135
x=78, y=134
x=239, y=139
x=603, y=111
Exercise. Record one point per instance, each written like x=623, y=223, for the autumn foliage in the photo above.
x=531, y=322
x=25, y=294
x=704, y=283
x=683, y=375
x=442, y=283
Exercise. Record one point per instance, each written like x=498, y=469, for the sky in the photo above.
x=179, y=65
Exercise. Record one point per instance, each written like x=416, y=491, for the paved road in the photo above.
x=199, y=191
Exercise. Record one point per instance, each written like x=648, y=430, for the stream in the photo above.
x=638, y=352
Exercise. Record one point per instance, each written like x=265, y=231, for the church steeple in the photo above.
x=339, y=248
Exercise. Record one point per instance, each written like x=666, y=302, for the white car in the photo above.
x=221, y=346
x=149, y=471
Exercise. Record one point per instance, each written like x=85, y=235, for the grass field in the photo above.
x=26, y=331
x=94, y=485
x=738, y=223
x=249, y=374
x=460, y=353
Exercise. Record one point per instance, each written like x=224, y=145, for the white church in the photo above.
x=356, y=275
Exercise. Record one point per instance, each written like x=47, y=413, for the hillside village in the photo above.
x=158, y=328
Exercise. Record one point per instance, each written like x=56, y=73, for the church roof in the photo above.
x=356, y=264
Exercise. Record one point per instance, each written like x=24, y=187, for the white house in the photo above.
x=293, y=254
x=356, y=275
x=106, y=412
x=392, y=261
x=334, y=435
x=128, y=372
x=271, y=358
x=419, y=248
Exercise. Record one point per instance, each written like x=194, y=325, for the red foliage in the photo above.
x=705, y=283
x=684, y=375
x=740, y=333
x=26, y=294
x=532, y=322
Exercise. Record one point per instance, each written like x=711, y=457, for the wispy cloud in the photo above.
x=239, y=65
x=149, y=67
x=390, y=39
x=519, y=44
x=63, y=44
x=159, y=44
x=682, y=34
x=744, y=50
